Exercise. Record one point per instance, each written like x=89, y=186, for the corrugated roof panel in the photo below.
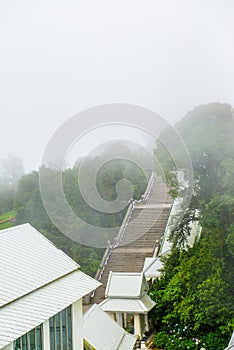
x=28, y=261
x=128, y=342
x=103, y=333
x=152, y=267
x=122, y=284
x=141, y=306
x=24, y=314
x=231, y=342
x=148, y=262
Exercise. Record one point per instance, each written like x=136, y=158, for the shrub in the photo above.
x=175, y=340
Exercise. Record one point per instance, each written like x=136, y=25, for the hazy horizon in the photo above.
x=59, y=58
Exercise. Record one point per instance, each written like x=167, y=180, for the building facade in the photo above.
x=41, y=293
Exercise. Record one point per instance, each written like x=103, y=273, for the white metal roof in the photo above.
x=28, y=261
x=231, y=343
x=141, y=306
x=102, y=333
x=24, y=314
x=126, y=285
x=127, y=342
x=152, y=267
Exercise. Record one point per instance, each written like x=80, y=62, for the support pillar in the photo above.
x=137, y=325
x=146, y=323
x=119, y=318
x=77, y=334
x=46, y=334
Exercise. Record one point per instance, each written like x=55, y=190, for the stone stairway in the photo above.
x=145, y=228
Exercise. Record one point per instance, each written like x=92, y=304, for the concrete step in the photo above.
x=146, y=225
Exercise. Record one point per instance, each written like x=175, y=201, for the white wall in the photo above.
x=8, y=347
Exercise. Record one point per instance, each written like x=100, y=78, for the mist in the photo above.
x=59, y=58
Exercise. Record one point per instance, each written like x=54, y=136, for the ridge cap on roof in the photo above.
x=127, y=273
x=127, y=297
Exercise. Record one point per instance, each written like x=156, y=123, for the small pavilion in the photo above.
x=127, y=301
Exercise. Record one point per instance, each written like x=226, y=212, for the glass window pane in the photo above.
x=30, y=341
x=17, y=344
x=39, y=338
x=69, y=329
x=61, y=331
x=52, y=334
x=64, y=329
x=24, y=342
x=32, y=345
x=57, y=332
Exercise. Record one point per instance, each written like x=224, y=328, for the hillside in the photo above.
x=195, y=299
x=24, y=204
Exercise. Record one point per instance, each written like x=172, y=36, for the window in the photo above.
x=30, y=341
x=61, y=331
x=60, y=334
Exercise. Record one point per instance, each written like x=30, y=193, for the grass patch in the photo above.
x=5, y=225
x=6, y=219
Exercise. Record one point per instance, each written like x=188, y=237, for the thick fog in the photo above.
x=61, y=57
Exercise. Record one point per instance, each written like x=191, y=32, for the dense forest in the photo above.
x=194, y=297
x=21, y=202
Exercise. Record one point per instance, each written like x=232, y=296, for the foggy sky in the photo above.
x=60, y=57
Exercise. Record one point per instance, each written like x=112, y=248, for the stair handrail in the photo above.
x=103, y=264
x=148, y=189
x=108, y=248
x=111, y=246
x=128, y=215
x=118, y=239
x=164, y=235
x=124, y=224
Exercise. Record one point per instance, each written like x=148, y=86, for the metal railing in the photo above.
x=118, y=239
x=130, y=210
x=164, y=236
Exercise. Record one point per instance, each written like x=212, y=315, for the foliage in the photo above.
x=7, y=219
x=196, y=287
x=176, y=338
x=30, y=208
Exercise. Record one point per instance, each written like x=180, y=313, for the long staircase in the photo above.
x=141, y=231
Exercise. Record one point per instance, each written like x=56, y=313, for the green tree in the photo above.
x=30, y=206
x=195, y=292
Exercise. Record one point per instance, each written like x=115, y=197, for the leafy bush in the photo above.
x=175, y=340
